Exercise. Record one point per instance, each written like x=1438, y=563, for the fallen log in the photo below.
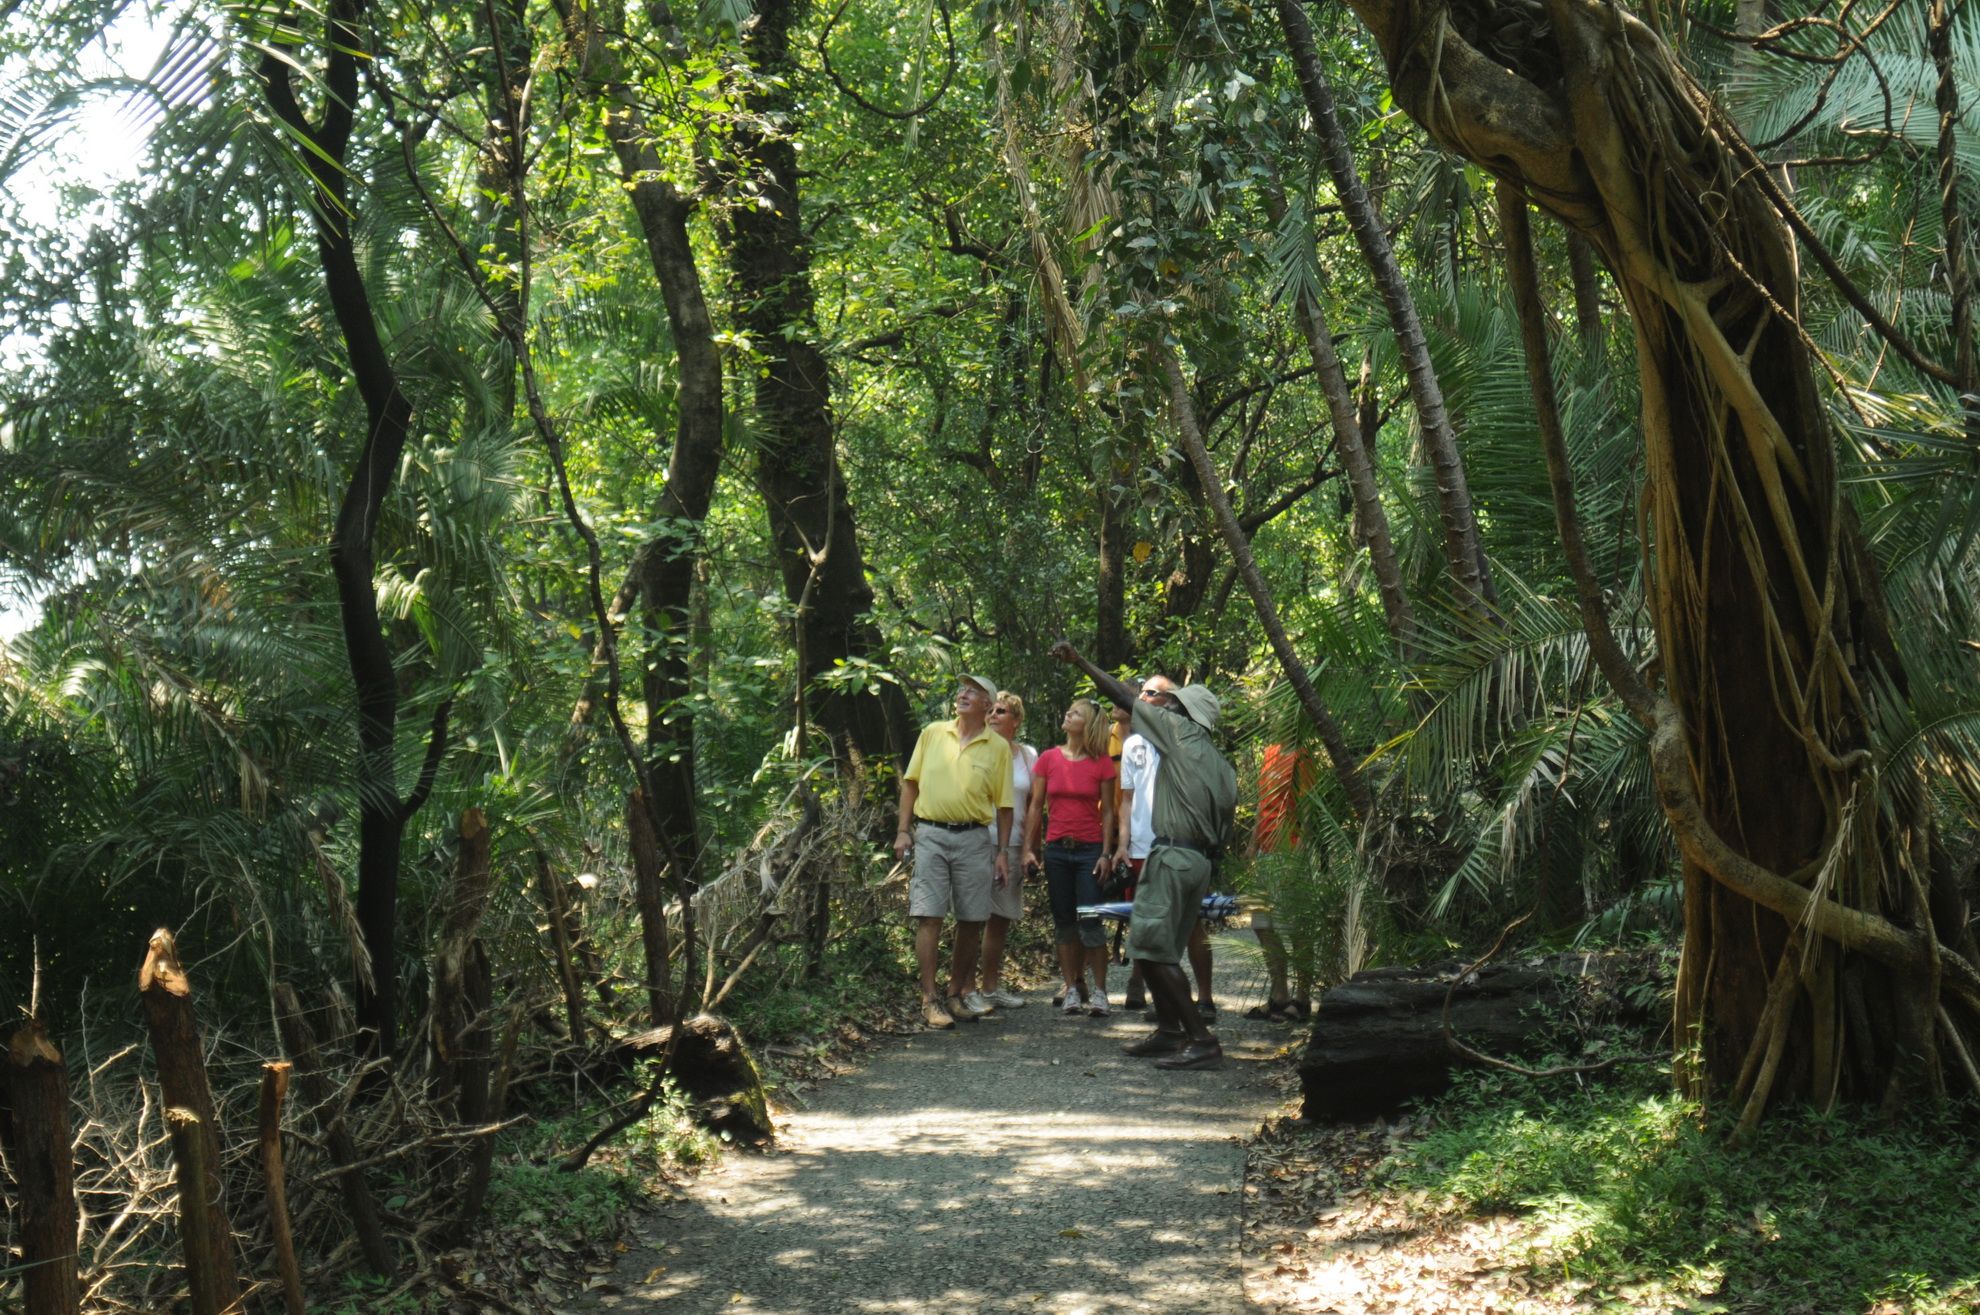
x=1379, y=1039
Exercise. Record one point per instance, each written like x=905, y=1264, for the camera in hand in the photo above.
x=1116, y=884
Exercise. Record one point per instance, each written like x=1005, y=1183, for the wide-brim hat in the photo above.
x=1202, y=706
x=984, y=683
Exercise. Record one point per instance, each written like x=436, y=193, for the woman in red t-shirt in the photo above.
x=1068, y=821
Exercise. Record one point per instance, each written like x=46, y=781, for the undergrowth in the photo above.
x=1638, y=1193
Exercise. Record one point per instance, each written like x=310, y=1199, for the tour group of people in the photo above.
x=1142, y=787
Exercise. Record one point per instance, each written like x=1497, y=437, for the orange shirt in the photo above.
x=1283, y=776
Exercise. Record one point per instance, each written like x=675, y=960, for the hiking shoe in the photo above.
x=1157, y=1042
x=1097, y=1006
x=1207, y=1010
x=934, y=1015
x=1072, y=1005
x=980, y=1003
x=1207, y=1056
x=1004, y=999
x=959, y=1007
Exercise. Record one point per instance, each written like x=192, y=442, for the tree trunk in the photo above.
x=652, y=904
x=664, y=568
x=1587, y=301
x=462, y=988
x=1812, y=966
x=274, y=1090
x=1471, y=579
x=34, y=1126
x=563, y=942
x=1110, y=641
x=797, y=468
x=382, y=814
x=1346, y=765
x=1356, y=447
x=209, y=1238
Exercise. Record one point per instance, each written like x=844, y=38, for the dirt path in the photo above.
x=1018, y=1164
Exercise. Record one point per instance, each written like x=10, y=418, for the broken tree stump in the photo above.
x=711, y=1066
x=195, y=1126
x=274, y=1090
x=34, y=1124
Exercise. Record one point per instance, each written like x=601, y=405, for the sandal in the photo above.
x=1270, y=1012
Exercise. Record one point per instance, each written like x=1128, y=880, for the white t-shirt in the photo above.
x=1140, y=760
x=1022, y=757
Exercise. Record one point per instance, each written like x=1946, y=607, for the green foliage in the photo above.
x=668, y=1135
x=584, y=1204
x=863, y=970
x=1637, y=1190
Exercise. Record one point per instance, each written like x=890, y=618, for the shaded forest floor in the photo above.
x=1517, y=1197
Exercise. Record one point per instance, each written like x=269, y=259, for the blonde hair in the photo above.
x=1093, y=736
x=1013, y=702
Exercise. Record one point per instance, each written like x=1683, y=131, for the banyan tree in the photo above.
x=1826, y=955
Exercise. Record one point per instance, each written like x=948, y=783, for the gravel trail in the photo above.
x=1022, y=1163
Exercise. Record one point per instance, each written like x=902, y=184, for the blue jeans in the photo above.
x=1069, y=882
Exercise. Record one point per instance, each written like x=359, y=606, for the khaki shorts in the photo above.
x=1008, y=901
x=1167, y=901
x=953, y=873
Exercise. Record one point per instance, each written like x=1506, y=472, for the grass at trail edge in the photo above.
x=1637, y=1192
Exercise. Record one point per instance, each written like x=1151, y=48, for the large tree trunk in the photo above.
x=382, y=813
x=1812, y=967
x=797, y=468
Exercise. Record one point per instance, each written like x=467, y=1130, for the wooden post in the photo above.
x=554, y=902
x=301, y=1045
x=647, y=894
x=209, y=1238
x=34, y=1123
x=274, y=1089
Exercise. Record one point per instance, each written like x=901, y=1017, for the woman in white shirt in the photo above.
x=1007, y=901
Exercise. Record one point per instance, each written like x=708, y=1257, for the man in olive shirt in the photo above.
x=1193, y=817
x=956, y=789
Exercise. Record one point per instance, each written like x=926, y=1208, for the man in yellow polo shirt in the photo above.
x=957, y=785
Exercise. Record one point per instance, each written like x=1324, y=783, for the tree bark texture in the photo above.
x=34, y=1127
x=274, y=1091
x=650, y=897
x=166, y=993
x=382, y=814
x=1812, y=965
x=463, y=990
x=797, y=468
x=1464, y=557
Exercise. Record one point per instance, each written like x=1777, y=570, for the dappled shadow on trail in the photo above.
x=1021, y=1164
